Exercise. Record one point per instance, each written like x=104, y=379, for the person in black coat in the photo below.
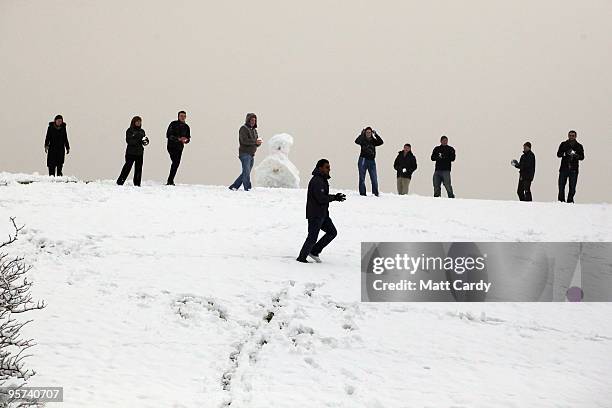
x=526, y=166
x=368, y=139
x=56, y=143
x=178, y=135
x=405, y=164
x=443, y=155
x=571, y=153
x=136, y=139
x=317, y=213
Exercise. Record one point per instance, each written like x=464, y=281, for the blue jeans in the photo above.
x=442, y=177
x=368, y=165
x=244, y=178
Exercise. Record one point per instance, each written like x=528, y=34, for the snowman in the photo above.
x=276, y=170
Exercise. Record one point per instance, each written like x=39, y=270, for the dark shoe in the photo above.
x=302, y=260
x=233, y=188
x=170, y=183
x=362, y=194
x=120, y=183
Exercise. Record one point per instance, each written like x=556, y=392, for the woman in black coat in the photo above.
x=136, y=139
x=55, y=143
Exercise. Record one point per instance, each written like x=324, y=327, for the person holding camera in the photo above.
x=571, y=153
x=136, y=139
x=443, y=155
x=178, y=135
x=368, y=139
x=405, y=164
x=526, y=166
x=317, y=213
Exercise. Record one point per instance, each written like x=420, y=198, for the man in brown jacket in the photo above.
x=249, y=142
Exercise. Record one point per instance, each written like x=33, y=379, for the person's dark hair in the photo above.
x=443, y=137
x=58, y=117
x=572, y=132
x=322, y=163
x=367, y=128
x=528, y=144
x=179, y=114
x=134, y=120
x=407, y=144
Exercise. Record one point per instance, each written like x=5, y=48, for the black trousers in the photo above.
x=564, y=176
x=131, y=159
x=175, y=157
x=311, y=246
x=524, y=190
x=53, y=169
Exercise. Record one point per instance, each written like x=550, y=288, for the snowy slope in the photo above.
x=190, y=297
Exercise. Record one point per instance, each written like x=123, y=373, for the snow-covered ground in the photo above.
x=190, y=297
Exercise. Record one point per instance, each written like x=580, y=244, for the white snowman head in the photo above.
x=280, y=144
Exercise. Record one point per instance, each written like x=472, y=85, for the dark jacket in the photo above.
x=177, y=129
x=133, y=137
x=247, y=137
x=57, y=144
x=318, y=199
x=570, y=161
x=443, y=156
x=405, y=161
x=527, y=166
x=368, y=146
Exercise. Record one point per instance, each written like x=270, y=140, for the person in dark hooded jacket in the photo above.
x=317, y=213
x=178, y=134
x=368, y=139
x=405, y=164
x=56, y=143
x=249, y=141
x=136, y=140
x=526, y=166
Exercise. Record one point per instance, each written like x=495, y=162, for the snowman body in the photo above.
x=276, y=170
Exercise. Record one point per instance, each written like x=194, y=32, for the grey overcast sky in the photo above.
x=489, y=74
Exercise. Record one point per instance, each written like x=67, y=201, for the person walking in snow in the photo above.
x=443, y=155
x=249, y=142
x=526, y=166
x=405, y=164
x=136, y=140
x=368, y=139
x=571, y=153
x=317, y=213
x=178, y=135
x=56, y=144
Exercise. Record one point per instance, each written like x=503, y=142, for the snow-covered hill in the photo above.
x=190, y=297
